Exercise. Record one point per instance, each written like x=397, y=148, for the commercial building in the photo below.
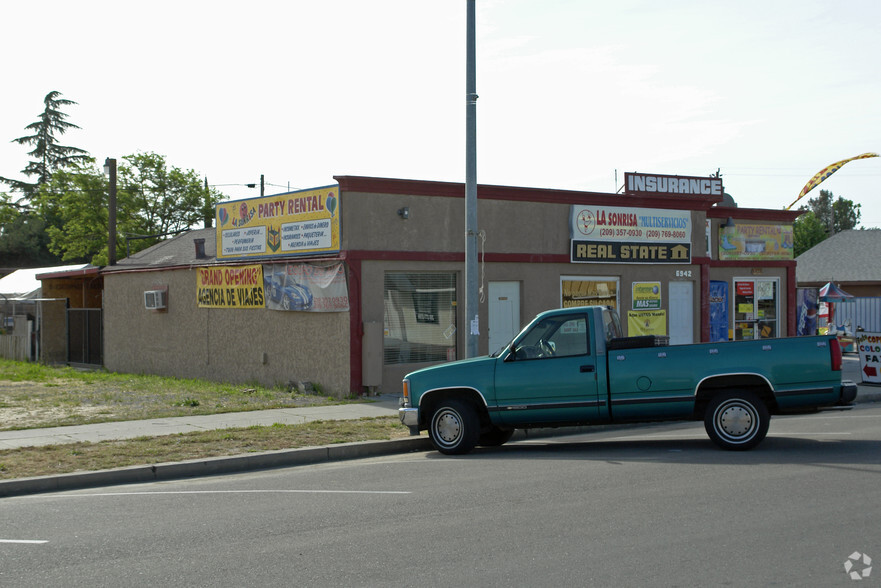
x=350, y=286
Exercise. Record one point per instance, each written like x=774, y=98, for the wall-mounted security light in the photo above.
x=404, y=213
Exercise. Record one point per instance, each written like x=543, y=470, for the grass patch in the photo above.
x=34, y=395
x=61, y=459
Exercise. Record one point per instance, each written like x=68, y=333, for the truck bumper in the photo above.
x=410, y=418
x=848, y=392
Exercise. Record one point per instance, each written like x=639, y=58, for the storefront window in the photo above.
x=756, y=308
x=420, y=317
x=578, y=291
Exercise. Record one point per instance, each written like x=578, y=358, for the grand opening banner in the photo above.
x=230, y=287
x=295, y=223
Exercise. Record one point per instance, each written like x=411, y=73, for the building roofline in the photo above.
x=765, y=214
x=375, y=185
x=78, y=273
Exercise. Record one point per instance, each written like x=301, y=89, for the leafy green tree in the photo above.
x=23, y=238
x=825, y=215
x=836, y=214
x=48, y=154
x=152, y=200
x=168, y=198
x=807, y=231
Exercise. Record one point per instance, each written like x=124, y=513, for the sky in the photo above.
x=572, y=93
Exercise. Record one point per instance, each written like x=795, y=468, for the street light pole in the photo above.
x=110, y=170
x=471, y=298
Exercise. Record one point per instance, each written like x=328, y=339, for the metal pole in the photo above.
x=471, y=298
x=110, y=164
x=261, y=186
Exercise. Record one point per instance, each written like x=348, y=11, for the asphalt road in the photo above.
x=654, y=505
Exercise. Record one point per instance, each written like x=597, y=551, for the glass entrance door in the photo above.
x=756, y=308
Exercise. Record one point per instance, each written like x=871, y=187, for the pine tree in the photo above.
x=48, y=154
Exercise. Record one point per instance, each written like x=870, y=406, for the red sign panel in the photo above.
x=744, y=288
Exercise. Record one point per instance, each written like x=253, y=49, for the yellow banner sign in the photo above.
x=646, y=322
x=230, y=287
x=295, y=223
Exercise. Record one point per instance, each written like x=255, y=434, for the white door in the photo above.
x=681, y=319
x=504, y=313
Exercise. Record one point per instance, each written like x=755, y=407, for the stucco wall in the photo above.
x=239, y=345
x=437, y=224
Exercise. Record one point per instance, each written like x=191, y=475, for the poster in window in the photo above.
x=425, y=305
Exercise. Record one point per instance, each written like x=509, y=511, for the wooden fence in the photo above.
x=14, y=347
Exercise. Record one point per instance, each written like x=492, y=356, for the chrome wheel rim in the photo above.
x=448, y=427
x=736, y=421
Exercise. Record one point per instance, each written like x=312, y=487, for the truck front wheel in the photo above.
x=736, y=420
x=454, y=427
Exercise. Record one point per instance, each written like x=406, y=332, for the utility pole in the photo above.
x=471, y=298
x=110, y=170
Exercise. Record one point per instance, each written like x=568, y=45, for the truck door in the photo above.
x=549, y=374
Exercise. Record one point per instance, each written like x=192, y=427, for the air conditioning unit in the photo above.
x=155, y=299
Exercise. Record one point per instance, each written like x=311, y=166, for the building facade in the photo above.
x=353, y=285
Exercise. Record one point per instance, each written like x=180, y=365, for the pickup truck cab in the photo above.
x=572, y=367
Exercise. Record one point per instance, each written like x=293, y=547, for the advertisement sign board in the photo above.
x=655, y=184
x=636, y=225
x=306, y=287
x=759, y=241
x=646, y=295
x=295, y=223
x=646, y=322
x=230, y=287
x=869, y=347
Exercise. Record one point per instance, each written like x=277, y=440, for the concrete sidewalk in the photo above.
x=375, y=407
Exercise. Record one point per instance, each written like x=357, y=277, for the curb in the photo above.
x=212, y=466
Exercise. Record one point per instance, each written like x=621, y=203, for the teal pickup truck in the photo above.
x=572, y=367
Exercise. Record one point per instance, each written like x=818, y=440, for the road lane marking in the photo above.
x=29, y=541
x=173, y=492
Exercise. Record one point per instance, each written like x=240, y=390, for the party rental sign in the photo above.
x=295, y=223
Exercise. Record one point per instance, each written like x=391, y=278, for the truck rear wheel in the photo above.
x=454, y=427
x=736, y=420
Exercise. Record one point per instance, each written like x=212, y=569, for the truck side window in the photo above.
x=571, y=338
x=554, y=338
